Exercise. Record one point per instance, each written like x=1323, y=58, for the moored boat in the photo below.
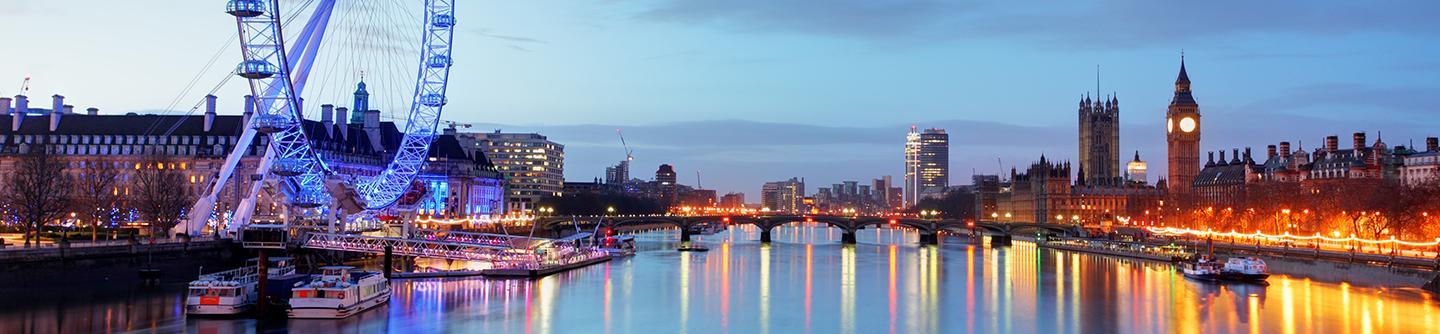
x=338, y=293
x=1247, y=269
x=232, y=291
x=1202, y=268
x=619, y=246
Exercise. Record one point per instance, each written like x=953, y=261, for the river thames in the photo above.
x=804, y=282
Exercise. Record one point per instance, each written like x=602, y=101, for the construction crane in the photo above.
x=25, y=85
x=629, y=154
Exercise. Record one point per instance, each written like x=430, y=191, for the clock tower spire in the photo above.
x=1182, y=136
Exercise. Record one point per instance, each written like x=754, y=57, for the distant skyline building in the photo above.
x=619, y=173
x=912, y=166
x=934, y=171
x=534, y=166
x=665, y=178
x=733, y=200
x=1099, y=140
x=783, y=196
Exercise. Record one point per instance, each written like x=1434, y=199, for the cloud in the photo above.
x=507, y=38
x=1343, y=99
x=1099, y=24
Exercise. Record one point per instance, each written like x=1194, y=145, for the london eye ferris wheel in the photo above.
x=317, y=50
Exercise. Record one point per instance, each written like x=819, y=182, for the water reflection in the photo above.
x=807, y=282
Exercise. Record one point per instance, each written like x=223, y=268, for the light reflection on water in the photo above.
x=808, y=282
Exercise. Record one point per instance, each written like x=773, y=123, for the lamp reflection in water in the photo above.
x=847, y=289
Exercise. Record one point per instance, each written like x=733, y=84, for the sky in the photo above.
x=749, y=91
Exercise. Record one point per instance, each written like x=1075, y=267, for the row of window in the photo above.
x=122, y=139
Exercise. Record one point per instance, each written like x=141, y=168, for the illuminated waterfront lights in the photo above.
x=1288, y=237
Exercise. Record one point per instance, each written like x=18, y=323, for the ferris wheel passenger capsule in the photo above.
x=432, y=100
x=256, y=69
x=443, y=21
x=306, y=198
x=269, y=123
x=438, y=61
x=245, y=8
x=288, y=167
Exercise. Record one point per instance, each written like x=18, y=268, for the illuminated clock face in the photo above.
x=1187, y=124
x=1169, y=125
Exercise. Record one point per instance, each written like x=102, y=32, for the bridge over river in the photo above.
x=929, y=229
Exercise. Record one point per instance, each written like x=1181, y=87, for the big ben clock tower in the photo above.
x=1182, y=134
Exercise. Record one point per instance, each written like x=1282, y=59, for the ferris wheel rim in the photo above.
x=427, y=102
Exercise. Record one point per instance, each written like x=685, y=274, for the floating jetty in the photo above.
x=575, y=260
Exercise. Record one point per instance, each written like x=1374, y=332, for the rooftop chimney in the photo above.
x=22, y=106
x=327, y=119
x=1247, y=158
x=57, y=107
x=1235, y=155
x=69, y=109
x=1284, y=150
x=5, y=106
x=1222, y=160
x=209, y=112
x=249, y=108
x=1212, y=159
x=1432, y=144
x=92, y=111
x=1359, y=140
x=340, y=114
x=1270, y=152
x=372, y=129
x=1332, y=143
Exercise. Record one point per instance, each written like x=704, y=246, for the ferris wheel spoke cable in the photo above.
x=225, y=78
x=380, y=49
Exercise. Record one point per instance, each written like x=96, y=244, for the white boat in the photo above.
x=232, y=291
x=619, y=246
x=1202, y=268
x=1251, y=269
x=338, y=293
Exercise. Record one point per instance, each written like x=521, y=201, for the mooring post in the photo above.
x=389, y=260
x=263, y=272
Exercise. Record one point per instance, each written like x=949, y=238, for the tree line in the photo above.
x=43, y=188
x=1370, y=209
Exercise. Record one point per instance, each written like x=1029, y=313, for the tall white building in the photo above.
x=912, y=166
x=784, y=196
x=534, y=167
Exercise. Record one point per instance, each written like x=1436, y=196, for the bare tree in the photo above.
x=38, y=190
x=99, y=195
x=160, y=192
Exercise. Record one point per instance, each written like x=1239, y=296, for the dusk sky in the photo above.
x=749, y=91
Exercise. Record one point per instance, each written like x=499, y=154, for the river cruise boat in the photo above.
x=1202, y=268
x=1246, y=269
x=619, y=246
x=232, y=291
x=338, y=293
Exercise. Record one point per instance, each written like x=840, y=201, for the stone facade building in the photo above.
x=1099, y=140
x=457, y=181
